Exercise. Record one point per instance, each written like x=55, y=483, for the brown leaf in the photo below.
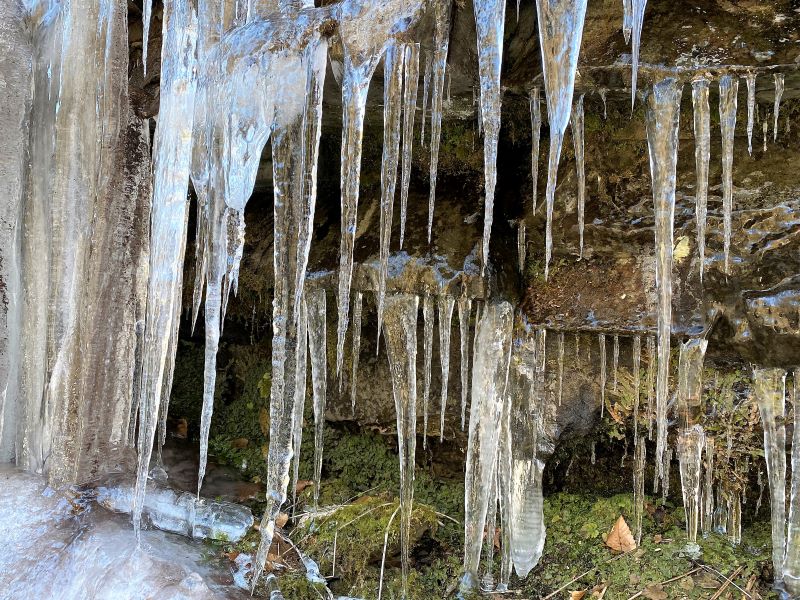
x=240, y=443
x=655, y=592
x=282, y=519
x=577, y=595
x=620, y=538
x=303, y=484
x=181, y=429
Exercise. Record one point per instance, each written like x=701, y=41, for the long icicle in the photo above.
x=750, y=78
x=392, y=106
x=446, y=305
x=638, y=20
x=728, y=92
x=489, y=22
x=702, y=153
x=411, y=83
x=777, y=106
x=428, y=316
x=663, y=119
x=560, y=32
x=358, y=302
x=301, y=375
x=791, y=574
x=441, y=43
x=536, y=134
x=317, y=345
x=401, y=348
x=464, y=313
x=580, y=167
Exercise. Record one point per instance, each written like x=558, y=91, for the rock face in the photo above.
x=749, y=314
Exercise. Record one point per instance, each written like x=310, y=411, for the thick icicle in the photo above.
x=791, y=574
x=446, y=305
x=627, y=19
x=702, y=153
x=560, y=32
x=527, y=389
x=663, y=117
x=691, y=442
x=400, y=330
x=441, y=43
x=601, y=341
x=728, y=92
x=750, y=78
x=490, y=376
x=636, y=30
x=536, y=134
x=489, y=23
x=577, y=140
x=522, y=246
x=172, y=159
x=317, y=346
x=426, y=84
x=358, y=303
x=504, y=479
x=639, y=463
x=428, y=316
x=464, y=314
x=301, y=375
x=615, y=362
x=777, y=106
x=411, y=83
x=690, y=380
x=770, y=394
x=393, y=62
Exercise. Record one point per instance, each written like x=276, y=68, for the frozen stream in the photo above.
x=59, y=546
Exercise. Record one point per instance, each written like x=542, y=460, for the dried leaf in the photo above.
x=577, y=595
x=240, y=443
x=620, y=537
x=303, y=484
x=182, y=429
x=282, y=519
x=655, y=592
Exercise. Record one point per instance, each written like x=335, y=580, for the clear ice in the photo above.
x=536, y=133
x=560, y=32
x=464, y=314
x=728, y=92
x=750, y=78
x=428, y=317
x=601, y=341
x=691, y=442
x=577, y=139
x=702, y=154
x=318, y=354
x=410, y=85
x=791, y=571
x=663, y=118
x=779, y=85
x=358, y=306
x=446, y=304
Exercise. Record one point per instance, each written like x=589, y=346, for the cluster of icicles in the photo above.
x=232, y=80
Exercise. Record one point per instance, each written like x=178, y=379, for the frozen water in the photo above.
x=728, y=92
x=702, y=153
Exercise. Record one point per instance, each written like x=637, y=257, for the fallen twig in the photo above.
x=727, y=582
x=670, y=580
x=584, y=574
x=745, y=591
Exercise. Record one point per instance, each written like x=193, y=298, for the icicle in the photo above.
x=464, y=313
x=358, y=303
x=627, y=19
x=777, y=109
x=691, y=442
x=426, y=83
x=446, y=305
x=171, y=158
x=615, y=361
x=791, y=575
x=318, y=351
x=560, y=32
x=765, y=131
x=702, y=153
x=601, y=340
x=636, y=28
x=393, y=62
x=401, y=347
x=536, y=133
x=770, y=394
x=487, y=581
x=560, y=366
x=427, y=313
x=690, y=380
x=728, y=91
x=707, y=515
x=651, y=381
x=490, y=376
x=441, y=43
x=637, y=365
x=504, y=486
x=663, y=117
x=750, y=78
x=639, y=462
x=577, y=139
x=521, y=246
x=665, y=481
x=301, y=375
x=411, y=82
x=489, y=22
